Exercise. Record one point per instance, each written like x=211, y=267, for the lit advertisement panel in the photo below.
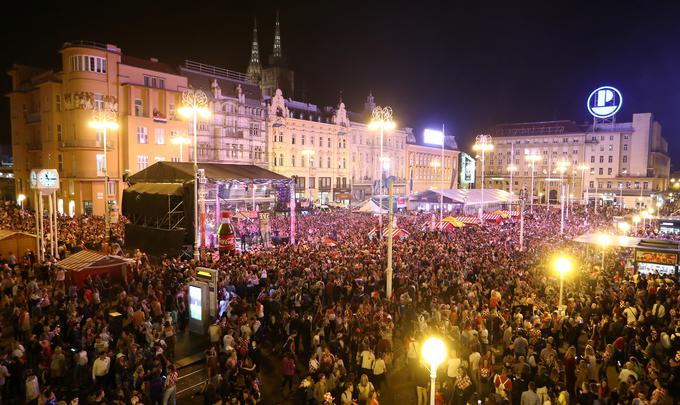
x=195, y=303
x=433, y=137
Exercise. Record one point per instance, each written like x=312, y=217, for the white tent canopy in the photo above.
x=370, y=206
x=466, y=197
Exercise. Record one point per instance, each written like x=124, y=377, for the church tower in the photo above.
x=277, y=75
x=254, y=71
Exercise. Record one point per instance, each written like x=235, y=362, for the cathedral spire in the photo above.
x=255, y=51
x=254, y=71
x=276, y=53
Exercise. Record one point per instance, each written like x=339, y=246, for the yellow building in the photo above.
x=425, y=170
x=51, y=111
x=312, y=144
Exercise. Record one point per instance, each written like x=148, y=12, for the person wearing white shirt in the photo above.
x=453, y=364
x=379, y=370
x=100, y=369
x=367, y=359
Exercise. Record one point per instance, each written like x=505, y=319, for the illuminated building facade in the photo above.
x=50, y=111
x=606, y=161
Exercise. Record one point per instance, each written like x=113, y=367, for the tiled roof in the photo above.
x=149, y=65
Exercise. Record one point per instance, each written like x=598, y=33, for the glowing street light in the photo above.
x=603, y=240
x=533, y=159
x=195, y=104
x=482, y=144
x=434, y=352
x=381, y=118
x=181, y=141
x=624, y=227
x=563, y=266
x=20, y=200
x=104, y=120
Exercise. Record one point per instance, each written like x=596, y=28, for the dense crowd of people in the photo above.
x=319, y=309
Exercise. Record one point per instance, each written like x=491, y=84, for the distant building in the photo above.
x=236, y=131
x=607, y=162
x=51, y=111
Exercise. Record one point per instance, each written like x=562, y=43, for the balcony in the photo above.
x=34, y=117
x=85, y=144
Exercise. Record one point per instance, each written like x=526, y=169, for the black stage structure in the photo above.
x=159, y=202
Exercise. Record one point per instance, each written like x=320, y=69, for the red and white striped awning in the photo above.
x=395, y=232
x=468, y=220
x=490, y=216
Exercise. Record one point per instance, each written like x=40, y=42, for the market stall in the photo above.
x=88, y=263
x=397, y=233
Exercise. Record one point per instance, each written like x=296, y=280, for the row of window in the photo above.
x=87, y=63
x=628, y=184
x=279, y=161
x=324, y=182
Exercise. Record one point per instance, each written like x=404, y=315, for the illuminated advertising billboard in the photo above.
x=195, y=303
x=604, y=102
x=467, y=170
x=433, y=137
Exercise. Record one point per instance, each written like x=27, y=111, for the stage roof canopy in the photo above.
x=181, y=172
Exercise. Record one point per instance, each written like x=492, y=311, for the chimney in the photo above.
x=154, y=60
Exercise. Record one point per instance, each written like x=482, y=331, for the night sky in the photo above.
x=468, y=65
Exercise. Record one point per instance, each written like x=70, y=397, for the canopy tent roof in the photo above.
x=157, y=188
x=6, y=234
x=89, y=259
x=370, y=206
x=466, y=196
x=180, y=172
x=396, y=232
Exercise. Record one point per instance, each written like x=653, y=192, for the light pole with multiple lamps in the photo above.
x=533, y=158
x=482, y=144
x=104, y=120
x=382, y=120
x=195, y=104
x=434, y=353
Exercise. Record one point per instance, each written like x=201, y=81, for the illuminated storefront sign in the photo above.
x=604, y=102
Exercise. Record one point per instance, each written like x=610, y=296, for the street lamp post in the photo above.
x=195, y=103
x=382, y=120
x=561, y=167
x=603, y=239
x=583, y=169
x=636, y=221
x=438, y=166
x=483, y=144
x=533, y=159
x=563, y=266
x=104, y=120
x=511, y=169
x=434, y=352
x=181, y=141
x=309, y=153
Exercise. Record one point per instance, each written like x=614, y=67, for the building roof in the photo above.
x=181, y=172
x=90, y=259
x=228, y=86
x=6, y=233
x=536, y=128
x=149, y=64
